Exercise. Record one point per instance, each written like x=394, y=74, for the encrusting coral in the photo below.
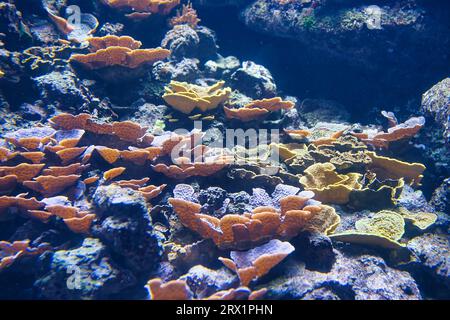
x=162, y=7
x=12, y=251
x=397, y=132
x=384, y=229
x=328, y=185
x=185, y=97
x=258, y=109
x=179, y=290
x=124, y=52
x=261, y=225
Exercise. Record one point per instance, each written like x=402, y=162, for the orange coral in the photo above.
x=77, y=221
x=151, y=191
x=23, y=171
x=257, y=262
x=30, y=139
x=68, y=154
x=12, y=251
x=172, y=290
x=50, y=185
x=402, y=131
x=179, y=290
x=23, y=204
x=152, y=6
x=76, y=168
x=113, y=173
x=108, y=154
x=7, y=183
x=244, y=231
x=257, y=109
x=187, y=15
x=126, y=130
x=118, y=51
x=187, y=170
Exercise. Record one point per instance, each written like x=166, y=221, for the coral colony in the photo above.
x=139, y=163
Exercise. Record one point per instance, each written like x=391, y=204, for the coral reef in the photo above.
x=247, y=171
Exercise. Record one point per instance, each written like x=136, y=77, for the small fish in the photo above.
x=208, y=118
x=173, y=120
x=195, y=117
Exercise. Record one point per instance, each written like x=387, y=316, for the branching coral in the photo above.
x=185, y=97
x=258, y=109
x=187, y=15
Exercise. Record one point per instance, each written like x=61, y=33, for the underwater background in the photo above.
x=224, y=150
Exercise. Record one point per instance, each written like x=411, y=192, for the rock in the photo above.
x=436, y=103
x=108, y=28
x=13, y=27
x=313, y=111
x=222, y=67
x=362, y=277
x=203, y=282
x=414, y=200
x=61, y=88
x=432, y=271
x=184, y=70
x=316, y=250
x=125, y=227
x=185, y=42
x=441, y=197
x=359, y=34
x=239, y=202
x=87, y=272
x=254, y=80
x=148, y=115
x=212, y=199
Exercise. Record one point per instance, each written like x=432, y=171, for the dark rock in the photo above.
x=125, y=227
x=436, y=102
x=203, y=282
x=315, y=110
x=350, y=32
x=13, y=27
x=363, y=277
x=63, y=89
x=212, y=198
x=239, y=202
x=185, y=42
x=441, y=197
x=316, y=250
x=111, y=29
x=254, y=80
x=432, y=270
x=86, y=272
x=413, y=200
x=149, y=115
x=222, y=67
x=184, y=70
